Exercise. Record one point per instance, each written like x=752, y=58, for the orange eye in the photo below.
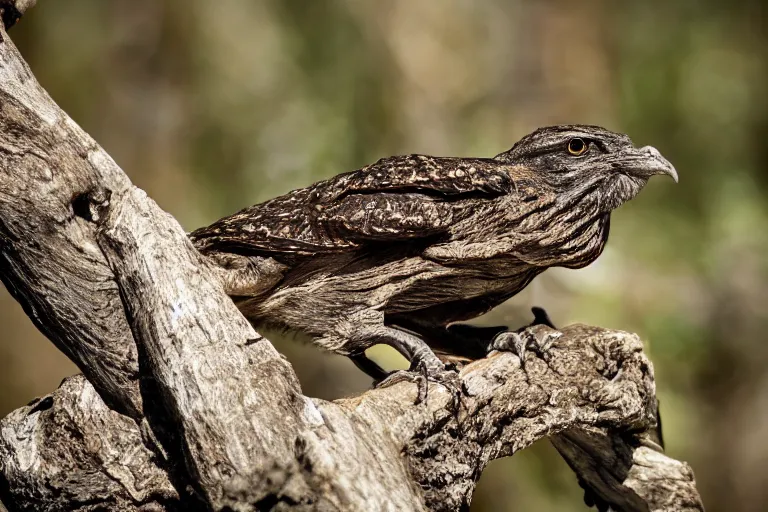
x=577, y=147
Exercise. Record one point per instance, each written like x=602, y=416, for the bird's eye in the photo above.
x=577, y=147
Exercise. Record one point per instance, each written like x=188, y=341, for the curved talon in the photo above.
x=399, y=376
x=541, y=344
x=519, y=343
x=510, y=341
x=421, y=375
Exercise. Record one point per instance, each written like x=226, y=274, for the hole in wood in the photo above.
x=90, y=205
x=81, y=206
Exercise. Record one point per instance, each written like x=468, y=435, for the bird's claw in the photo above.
x=422, y=374
x=520, y=342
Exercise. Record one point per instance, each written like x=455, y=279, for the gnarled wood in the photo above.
x=380, y=452
x=50, y=170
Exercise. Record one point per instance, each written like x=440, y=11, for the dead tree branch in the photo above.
x=183, y=406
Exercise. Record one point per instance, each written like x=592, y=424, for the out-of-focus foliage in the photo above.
x=213, y=106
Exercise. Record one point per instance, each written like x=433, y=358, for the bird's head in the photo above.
x=567, y=181
x=589, y=163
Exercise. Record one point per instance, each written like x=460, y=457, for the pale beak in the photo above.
x=648, y=161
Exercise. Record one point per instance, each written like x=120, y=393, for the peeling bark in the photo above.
x=183, y=406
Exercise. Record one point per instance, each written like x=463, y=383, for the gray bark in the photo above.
x=183, y=406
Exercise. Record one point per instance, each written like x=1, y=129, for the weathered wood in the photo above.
x=380, y=452
x=49, y=261
x=629, y=475
x=186, y=407
x=219, y=396
x=69, y=451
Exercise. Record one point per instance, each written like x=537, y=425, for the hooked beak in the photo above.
x=648, y=161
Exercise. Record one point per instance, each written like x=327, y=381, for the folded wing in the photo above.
x=402, y=198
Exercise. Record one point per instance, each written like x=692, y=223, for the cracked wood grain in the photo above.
x=183, y=406
x=380, y=452
x=48, y=169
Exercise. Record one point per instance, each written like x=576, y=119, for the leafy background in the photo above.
x=213, y=106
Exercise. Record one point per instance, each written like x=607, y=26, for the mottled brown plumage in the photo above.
x=397, y=251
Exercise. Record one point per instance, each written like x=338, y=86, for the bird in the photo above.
x=401, y=251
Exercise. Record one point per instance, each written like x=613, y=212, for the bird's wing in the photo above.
x=433, y=176
x=395, y=199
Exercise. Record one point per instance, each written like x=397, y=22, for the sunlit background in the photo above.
x=213, y=106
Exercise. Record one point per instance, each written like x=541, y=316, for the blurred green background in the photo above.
x=213, y=106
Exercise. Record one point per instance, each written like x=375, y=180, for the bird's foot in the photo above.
x=422, y=374
x=538, y=340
